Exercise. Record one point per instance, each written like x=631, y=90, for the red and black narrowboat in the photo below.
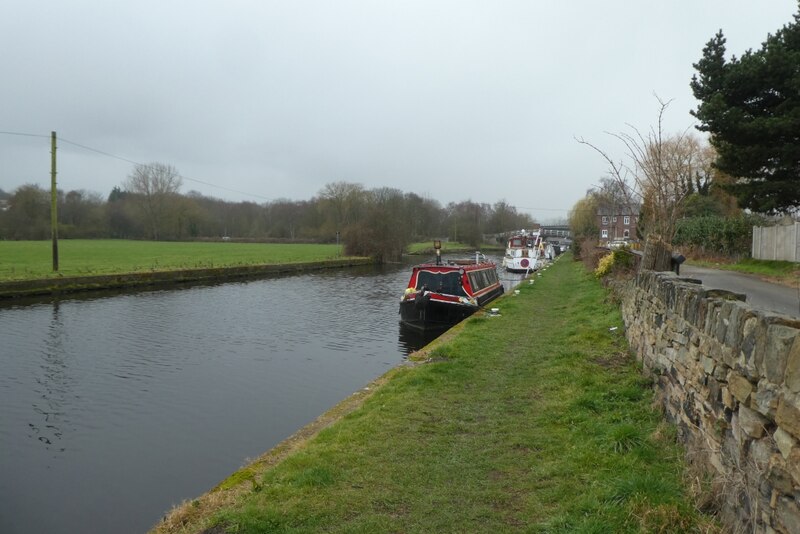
x=440, y=295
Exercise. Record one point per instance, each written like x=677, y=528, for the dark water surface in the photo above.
x=115, y=408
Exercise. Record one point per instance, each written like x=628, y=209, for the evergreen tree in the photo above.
x=751, y=108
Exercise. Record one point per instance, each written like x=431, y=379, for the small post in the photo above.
x=53, y=201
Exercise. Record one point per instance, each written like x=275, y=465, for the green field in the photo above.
x=536, y=420
x=26, y=260
x=426, y=247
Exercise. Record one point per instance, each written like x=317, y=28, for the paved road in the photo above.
x=760, y=294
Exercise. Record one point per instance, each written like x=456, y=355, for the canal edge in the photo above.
x=190, y=514
x=17, y=289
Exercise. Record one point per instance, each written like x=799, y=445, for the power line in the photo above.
x=98, y=151
x=181, y=175
x=127, y=160
x=226, y=188
x=21, y=134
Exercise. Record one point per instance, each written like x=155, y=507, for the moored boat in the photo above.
x=524, y=252
x=441, y=294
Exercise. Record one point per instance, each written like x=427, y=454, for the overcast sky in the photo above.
x=453, y=100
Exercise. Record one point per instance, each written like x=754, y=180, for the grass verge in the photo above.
x=536, y=420
x=782, y=272
x=30, y=260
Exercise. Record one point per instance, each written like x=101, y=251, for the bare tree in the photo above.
x=156, y=186
x=612, y=192
x=341, y=203
x=660, y=172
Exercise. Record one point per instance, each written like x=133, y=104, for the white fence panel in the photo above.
x=777, y=242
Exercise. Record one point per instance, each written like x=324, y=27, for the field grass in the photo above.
x=25, y=260
x=426, y=247
x=536, y=420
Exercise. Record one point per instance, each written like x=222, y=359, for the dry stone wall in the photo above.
x=728, y=376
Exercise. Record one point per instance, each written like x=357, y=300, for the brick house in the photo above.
x=617, y=224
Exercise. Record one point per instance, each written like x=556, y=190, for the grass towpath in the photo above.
x=533, y=421
x=30, y=260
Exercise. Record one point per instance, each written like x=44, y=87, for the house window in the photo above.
x=614, y=219
x=604, y=234
x=626, y=220
x=605, y=219
x=626, y=234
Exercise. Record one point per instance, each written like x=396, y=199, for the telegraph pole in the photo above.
x=53, y=201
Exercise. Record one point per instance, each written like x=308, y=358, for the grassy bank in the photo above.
x=536, y=420
x=29, y=260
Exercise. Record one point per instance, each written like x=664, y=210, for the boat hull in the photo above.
x=520, y=265
x=440, y=295
x=523, y=252
x=433, y=314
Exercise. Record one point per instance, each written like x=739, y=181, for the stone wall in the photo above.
x=728, y=377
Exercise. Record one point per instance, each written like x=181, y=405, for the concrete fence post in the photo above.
x=775, y=243
x=755, y=248
x=796, y=247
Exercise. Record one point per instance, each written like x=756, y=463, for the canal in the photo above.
x=116, y=407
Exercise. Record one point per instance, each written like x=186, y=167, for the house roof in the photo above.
x=618, y=210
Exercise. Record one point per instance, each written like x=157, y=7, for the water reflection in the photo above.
x=411, y=340
x=53, y=386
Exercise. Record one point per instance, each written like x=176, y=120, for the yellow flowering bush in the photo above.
x=614, y=260
x=605, y=265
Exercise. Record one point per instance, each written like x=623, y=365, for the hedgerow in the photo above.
x=731, y=236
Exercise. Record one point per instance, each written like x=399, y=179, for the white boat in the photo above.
x=525, y=252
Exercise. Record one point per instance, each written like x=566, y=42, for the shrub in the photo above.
x=590, y=254
x=605, y=265
x=731, y=236
x=616, y=261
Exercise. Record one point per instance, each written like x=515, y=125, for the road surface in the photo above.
x=761, y=295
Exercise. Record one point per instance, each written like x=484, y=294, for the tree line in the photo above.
x=378, y=222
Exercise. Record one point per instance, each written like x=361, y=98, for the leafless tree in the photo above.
x=156, y=186
x=659, y=172
x=341, y=203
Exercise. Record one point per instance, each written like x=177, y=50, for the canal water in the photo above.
x=114, y=408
